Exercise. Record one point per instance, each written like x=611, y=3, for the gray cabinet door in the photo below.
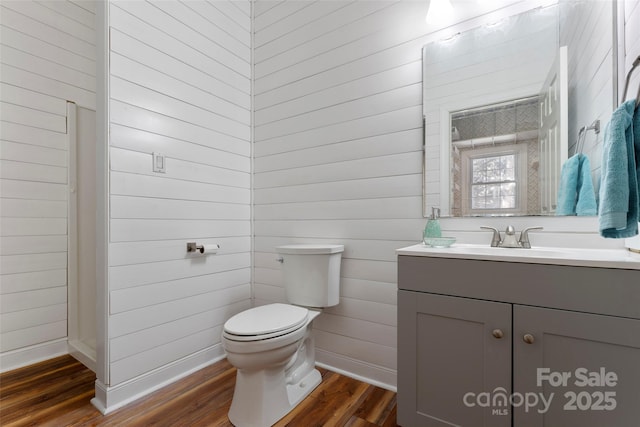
x=450, y=362
x=589, y=366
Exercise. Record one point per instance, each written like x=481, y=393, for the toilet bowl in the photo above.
x=276, y=370
x=272, y=345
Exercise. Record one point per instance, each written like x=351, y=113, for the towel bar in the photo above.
x=626, y=83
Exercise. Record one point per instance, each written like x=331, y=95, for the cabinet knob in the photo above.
x=497, y=333
x=528, y=338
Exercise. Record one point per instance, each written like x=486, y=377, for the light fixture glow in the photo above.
x=439, y=10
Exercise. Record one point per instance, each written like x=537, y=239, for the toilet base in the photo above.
x=297, y=392
x=269, y=396
x=270, y=384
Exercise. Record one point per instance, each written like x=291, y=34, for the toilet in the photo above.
x=272, y=345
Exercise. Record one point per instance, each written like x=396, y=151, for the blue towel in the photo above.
x=619, y=201
x=576, y=195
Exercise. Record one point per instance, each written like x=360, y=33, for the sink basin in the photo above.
x=607, y=258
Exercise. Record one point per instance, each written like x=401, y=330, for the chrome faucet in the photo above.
x=496, y=240
x=509, y=240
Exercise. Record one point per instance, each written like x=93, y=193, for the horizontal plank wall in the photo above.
x=587, y=31
x=338, y=159
x=47, y=56
x=180, y=82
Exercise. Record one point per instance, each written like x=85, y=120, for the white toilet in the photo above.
x=272, y=346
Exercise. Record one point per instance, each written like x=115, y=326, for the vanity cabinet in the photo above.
x=488, y=343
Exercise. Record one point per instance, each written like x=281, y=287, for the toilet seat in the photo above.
x=264, y=322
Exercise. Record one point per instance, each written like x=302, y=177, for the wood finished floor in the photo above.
x=57, y=393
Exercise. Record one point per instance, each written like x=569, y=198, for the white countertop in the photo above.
x=603, y=258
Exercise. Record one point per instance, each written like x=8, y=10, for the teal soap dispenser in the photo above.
x=432, y=229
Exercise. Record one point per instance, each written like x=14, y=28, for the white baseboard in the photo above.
x=83, y=354
x=110, y=398
x=18, y=358
x=372, y=374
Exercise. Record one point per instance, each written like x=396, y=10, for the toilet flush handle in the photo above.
x=280, y=259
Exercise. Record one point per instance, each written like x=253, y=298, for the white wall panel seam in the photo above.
x=130, y=134
x=119, y=308
x=52, y=18
x=365, y=98
x=71, y=11
x=25, y=97
x=325, y=43
x=146, y=317
x=193, y=43
x=206, y=14
x=11, y=15
x=190, y=24
x=128, y=92
x=46, y=50
x=350, y=139
x=335, y=68
x=374, y=83
x=60, y=72
x=41, y=83
x=128, y=299
x=167, y=84
x=355, y=149
x=295, y=5
x=332, y=123
x=224, y=191
x=231, y=14
x=122, y=166
x=357, y=129
x=303, y=24
x=247, y=12
x=129, y=46
x=152, y=36
x=263, y=6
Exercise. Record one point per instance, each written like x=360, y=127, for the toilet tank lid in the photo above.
x=310, y=249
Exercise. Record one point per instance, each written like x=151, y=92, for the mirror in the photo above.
x=504, y=103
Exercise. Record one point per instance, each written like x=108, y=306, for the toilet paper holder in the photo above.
x=193, y=247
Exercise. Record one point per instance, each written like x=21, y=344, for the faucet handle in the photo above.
x=496, y=239
x=524, y=237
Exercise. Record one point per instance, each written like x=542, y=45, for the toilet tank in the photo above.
x=311, y=274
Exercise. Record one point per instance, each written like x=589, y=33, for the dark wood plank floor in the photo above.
x=57, y=393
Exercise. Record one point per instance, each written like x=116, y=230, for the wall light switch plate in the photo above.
x=159, y=163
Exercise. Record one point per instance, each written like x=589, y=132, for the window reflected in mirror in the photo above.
x=495, y=159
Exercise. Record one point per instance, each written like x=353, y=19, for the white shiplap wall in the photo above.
x=47, y=55
x=180, y=84
x=338, y=136
x=587, y=31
